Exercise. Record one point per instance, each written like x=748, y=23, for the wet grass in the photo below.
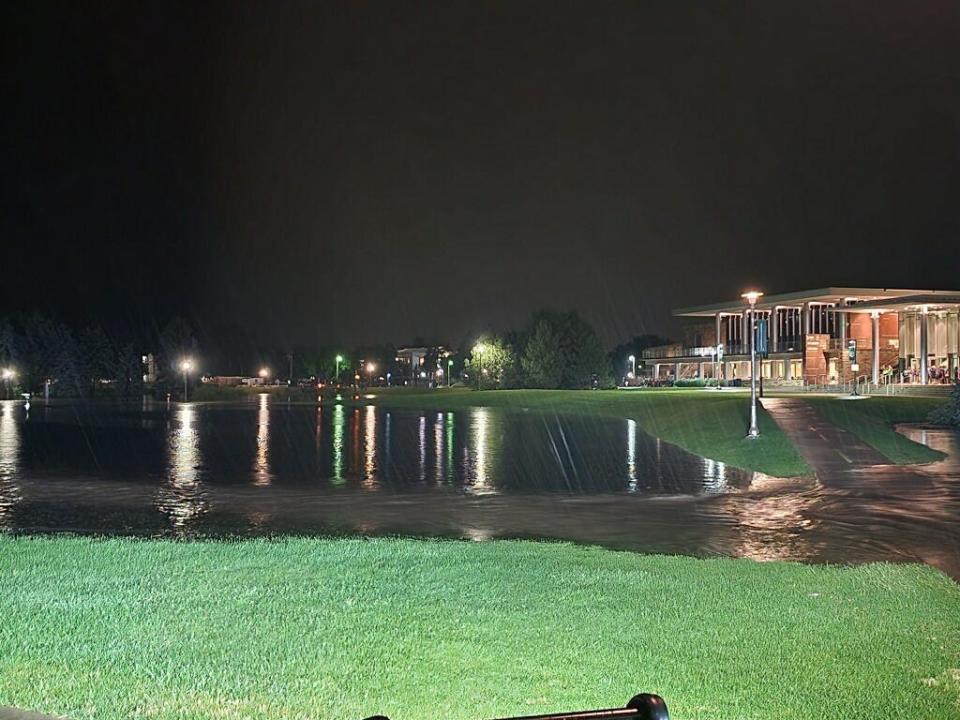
x=873, y=421
x=705, y=422
x=331, y=629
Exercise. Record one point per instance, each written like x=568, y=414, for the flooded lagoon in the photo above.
x=264, y=468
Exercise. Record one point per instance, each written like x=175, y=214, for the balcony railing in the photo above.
x=673, y=352
x=679, y=351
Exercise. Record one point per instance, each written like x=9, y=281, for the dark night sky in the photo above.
x=359, y=171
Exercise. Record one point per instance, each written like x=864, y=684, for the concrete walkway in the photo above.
x=828, y=449
x=9, y=713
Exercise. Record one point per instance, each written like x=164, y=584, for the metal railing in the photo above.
x=679, y=351
x=644, y=706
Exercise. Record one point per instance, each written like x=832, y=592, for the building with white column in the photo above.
x=824, y=336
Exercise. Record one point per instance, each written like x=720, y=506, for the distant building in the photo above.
x=231, y=380
x=421, y=364
x=824, y=336
x=149, y=365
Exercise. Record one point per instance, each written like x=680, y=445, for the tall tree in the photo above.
x=99, y=359
x=51, y=353
x=580, y=353
x=130, y=371
x=492, y=364
x=542, y=359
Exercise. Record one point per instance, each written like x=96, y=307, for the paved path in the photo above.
x=9, y=713
x=828, y=449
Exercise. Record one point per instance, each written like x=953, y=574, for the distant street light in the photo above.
x=371, y=368
x=633, y=365
x=264, y=373
x=339, y=360
x=751, y=297
x=186, y=365
x=479, y=348
x=449, y=370
x=8, y=375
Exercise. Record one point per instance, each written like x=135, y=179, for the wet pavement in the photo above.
x=826, y=448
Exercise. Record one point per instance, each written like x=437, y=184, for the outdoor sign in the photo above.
x=761, y=338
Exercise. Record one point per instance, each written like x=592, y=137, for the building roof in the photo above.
x=862, y=296
x=938, y=301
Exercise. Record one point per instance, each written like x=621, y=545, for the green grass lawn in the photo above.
x=331, y=629
x=873, y=420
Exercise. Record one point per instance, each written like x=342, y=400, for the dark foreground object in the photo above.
x=641, y=707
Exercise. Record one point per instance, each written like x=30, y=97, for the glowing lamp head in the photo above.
x=751, y=296
x=186, y=365
x=371, y=367
x=339, y=358
x=8, y=374
x=264, y=372
x=632, y=358
x=480, y=348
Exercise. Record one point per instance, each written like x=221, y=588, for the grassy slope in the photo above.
x=426, y=629
x=873, y=420
x=702, y=421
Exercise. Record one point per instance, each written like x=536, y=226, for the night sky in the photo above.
x=358, y=172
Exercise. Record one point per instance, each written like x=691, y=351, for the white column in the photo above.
x=875, y=316
x=774, y=329
x=924, y=370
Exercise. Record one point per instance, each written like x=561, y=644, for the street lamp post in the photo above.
x=339, y=360
x=751, y=298
x=633, y=364
x=185, y=367
x=264, y=374
x=370, y=370
x=449, y=370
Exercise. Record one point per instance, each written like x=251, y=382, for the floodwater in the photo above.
x=264, y=468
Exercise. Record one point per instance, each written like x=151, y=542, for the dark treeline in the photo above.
x=48, y=356
x=553, y=350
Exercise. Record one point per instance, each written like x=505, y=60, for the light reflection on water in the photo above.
x=480, y=473
x=262, y=468
x=369, y=447
x=9, y=457
x=339, y=420
x=182, y=497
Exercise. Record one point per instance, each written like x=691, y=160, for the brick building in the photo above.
x=893, y=335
